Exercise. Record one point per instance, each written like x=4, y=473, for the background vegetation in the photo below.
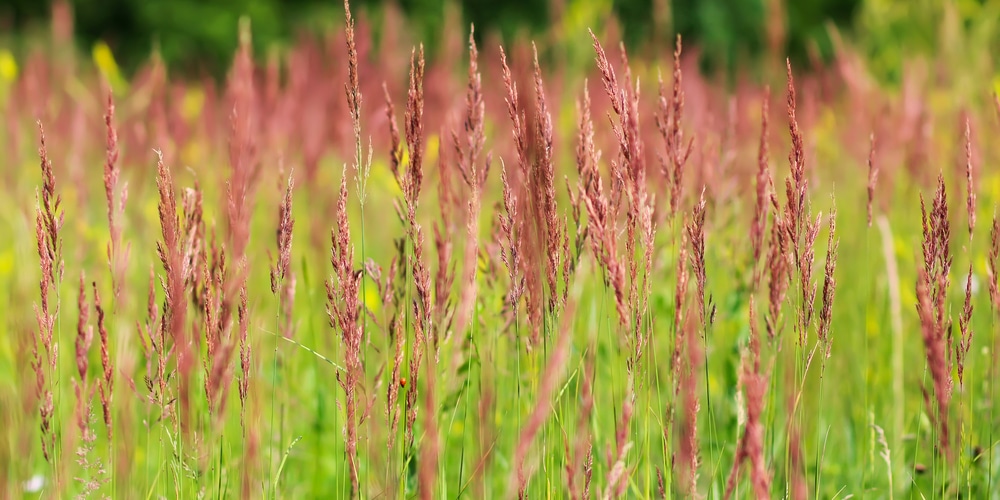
x=530, y=267
x=199, y=35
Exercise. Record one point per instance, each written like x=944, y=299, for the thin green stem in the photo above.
x=56, y=428
x=179, y=457
x=708, y=402
x=867, y=448
x=274, y=391
x=819, y=433
x=364, y=287
x=474, y=349
x=991, y=445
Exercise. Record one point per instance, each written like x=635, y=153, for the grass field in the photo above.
x=491, y=275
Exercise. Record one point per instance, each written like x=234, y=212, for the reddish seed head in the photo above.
x=763, y=185
x=970, y=201
x=872, y=176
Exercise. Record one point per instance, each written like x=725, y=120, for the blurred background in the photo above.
x=199, y=36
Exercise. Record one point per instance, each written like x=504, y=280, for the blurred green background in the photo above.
x=199, y=36
x=196, y=34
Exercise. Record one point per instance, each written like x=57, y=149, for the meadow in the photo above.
x=351, y=270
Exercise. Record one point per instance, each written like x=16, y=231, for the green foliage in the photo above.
x=197, y=35
x=893, y=34
x=725, y=29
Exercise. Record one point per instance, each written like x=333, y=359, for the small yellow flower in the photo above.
x=372, y=300
x=105, y=62
x=194, y=100
x=404, y=158
x=6, y=262
x=191, y=153
x=8, y=66
x=151, y=210
x=383, y=179
x=433, y=147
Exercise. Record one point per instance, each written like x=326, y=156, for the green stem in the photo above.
x=867, y=446
x=274, y=387
x=364, y=289
x=819, y=433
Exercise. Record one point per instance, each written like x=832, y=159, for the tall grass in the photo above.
x=626, y=306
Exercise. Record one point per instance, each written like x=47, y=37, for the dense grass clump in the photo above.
x=459, y=284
